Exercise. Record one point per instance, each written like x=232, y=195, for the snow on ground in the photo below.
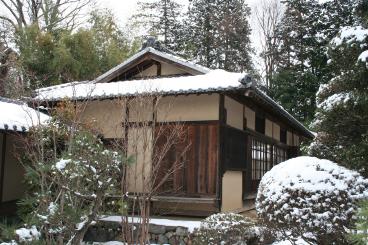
x=363, y=57
x=190, y=224
x=61, y=164
x=286, y=242
x=110, y=243
x=18, y=116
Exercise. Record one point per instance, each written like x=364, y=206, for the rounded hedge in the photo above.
x=307, y=195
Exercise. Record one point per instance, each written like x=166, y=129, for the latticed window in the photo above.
x=264, y=157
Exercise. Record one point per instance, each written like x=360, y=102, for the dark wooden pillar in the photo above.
x=2, y=167
x=221, y=150
x=248, y=174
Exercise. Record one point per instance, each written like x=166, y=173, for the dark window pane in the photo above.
x=235, y=149
x=283, y=135
x=260, y=124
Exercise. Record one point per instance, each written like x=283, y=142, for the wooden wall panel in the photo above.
x=198, y=175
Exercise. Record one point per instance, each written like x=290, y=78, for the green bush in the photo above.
x=227, y=228
x=360, y=235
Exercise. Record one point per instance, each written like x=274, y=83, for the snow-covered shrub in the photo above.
x=227, y=228
x=69, y=174
x=307, y=195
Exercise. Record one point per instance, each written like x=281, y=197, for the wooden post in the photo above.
x=2, y=166
x=248, y=150
x=158, y=64
x=220, y=150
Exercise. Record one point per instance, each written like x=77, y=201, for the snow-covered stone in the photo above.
x=61, y=164
x=363, y=57
x=228, y=228
x=27, y=234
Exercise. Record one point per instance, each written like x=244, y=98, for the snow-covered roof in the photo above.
x=254, y=91
x=167, y=56
x=214, y=80
x=17, y=116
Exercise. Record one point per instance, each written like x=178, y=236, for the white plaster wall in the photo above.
x=250, y=115
x=232, y=191
x=276, y=131
x=234, y=111
x=140, y=148
x=269, y=128
x=188, y=108
x=289, y=138
x=169, y=69
x=106, y=116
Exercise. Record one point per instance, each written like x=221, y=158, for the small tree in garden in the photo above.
x=69, y=173
x=149, y=140
x=310, y=198
x=360, y=234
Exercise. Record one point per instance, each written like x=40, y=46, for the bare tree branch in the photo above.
x=47, y=15
x=268, y=15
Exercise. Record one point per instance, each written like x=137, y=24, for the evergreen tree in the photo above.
x=48, y=58
x=342, y=109
x=201, y=32
x=162, y=19
x=361, y=235
x=217, y=34
x=304, y=33
x=70, y=175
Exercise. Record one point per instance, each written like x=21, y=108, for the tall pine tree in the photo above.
x=342, y=103
x=217, y=34
x=304, y=33
x=161, y=19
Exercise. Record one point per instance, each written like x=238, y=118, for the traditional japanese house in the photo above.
x=235, y=132
x=15, y=119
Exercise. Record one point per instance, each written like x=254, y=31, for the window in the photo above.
x=283, y=135
x=260, y=124
x=264, y=157
x=261, y=159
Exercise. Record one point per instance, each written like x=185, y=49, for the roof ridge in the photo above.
x=63, y=85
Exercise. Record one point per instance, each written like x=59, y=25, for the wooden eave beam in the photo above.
x=264, y=110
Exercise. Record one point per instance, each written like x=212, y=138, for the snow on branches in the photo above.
x=350, y=34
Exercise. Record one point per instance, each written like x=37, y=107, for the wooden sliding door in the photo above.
x=198, y=154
